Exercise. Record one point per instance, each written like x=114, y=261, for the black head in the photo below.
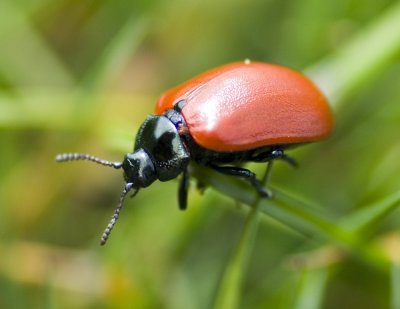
x=139, y=169
x=159, y=154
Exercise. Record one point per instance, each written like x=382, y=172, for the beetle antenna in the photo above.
x=115, y=216
x=64, y=157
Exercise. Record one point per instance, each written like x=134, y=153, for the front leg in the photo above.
x=183, y=190
x=246, y=175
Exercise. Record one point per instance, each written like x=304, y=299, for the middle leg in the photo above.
x=246, y=175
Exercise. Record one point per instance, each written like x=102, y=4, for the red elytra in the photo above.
x=246, y=105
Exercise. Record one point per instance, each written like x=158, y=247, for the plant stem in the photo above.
x=229, y=294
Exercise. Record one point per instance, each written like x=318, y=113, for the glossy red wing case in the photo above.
x=246, y=105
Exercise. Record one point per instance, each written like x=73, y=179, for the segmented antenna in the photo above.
x=115, y=216
x=64, y=157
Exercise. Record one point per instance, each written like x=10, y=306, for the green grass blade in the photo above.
x=295, y=214
x=368, y=215
x=312, y=288
x=395, y=285
x=342, y=72
x=17, y=36
x=118, y=52
x=229, y=293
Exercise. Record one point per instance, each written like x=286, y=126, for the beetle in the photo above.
x=235, y=113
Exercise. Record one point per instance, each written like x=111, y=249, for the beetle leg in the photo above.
x=246, y=175
x=280, y=154
x=183, y=190
x=275, y=153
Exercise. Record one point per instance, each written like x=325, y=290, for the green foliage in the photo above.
x=82, y=76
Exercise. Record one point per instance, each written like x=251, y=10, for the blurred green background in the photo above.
x=83, y=75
